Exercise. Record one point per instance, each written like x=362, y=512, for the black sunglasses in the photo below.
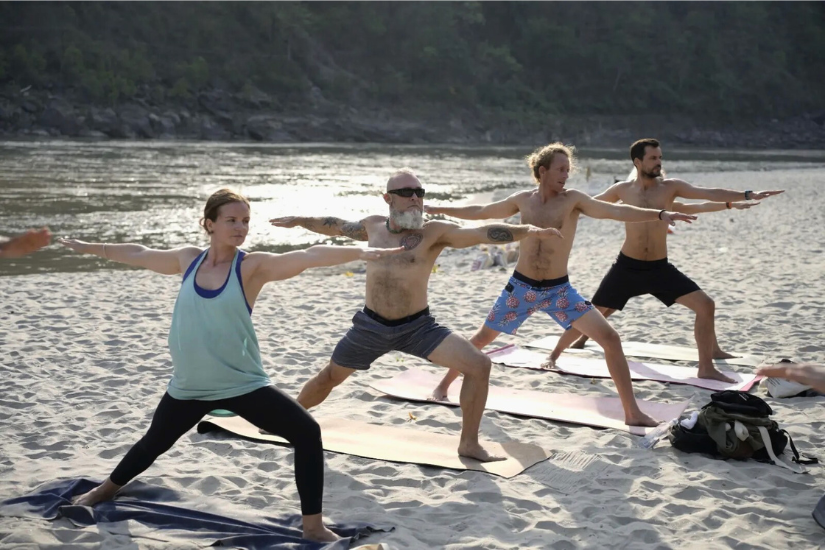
x=408, y=192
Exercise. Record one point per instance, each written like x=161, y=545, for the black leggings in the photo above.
x=267, y=408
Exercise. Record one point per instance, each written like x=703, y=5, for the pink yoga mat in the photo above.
x=651, y=351
x=514, y=356
x=600, y=412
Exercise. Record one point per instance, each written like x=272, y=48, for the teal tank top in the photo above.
x=212, y=341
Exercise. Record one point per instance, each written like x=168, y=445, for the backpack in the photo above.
x=736, y=425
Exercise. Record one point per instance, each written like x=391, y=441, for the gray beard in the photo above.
x=411, y=219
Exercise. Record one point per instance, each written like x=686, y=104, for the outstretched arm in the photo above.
x=331, y=226
x=166, y=262
x=810, y=374
x=26, y=243
x=626, y=213
x=688, y=191
x=704, y=207
x=500, y=233
x=495, y=210
x=276, y=267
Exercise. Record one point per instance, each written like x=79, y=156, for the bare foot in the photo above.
x=478, y=452
x=550, y=364
x=719, y=354
x=439, y=394
x=104, y=491
x=640, y=419
x=320, y=534
x=579, y=344
x=713, y=374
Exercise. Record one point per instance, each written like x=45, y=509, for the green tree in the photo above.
x=180, y=90
x=72, y=64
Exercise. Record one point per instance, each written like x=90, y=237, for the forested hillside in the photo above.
x=710, y=61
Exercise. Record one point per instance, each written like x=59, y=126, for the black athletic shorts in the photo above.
x=630, y=277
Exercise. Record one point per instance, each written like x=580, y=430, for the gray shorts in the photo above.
x=372, y=336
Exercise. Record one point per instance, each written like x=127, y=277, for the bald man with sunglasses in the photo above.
x=396, y=316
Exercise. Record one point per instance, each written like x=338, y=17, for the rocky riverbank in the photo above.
x=217, y=115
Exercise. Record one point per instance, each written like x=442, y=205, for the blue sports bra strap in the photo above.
x=192, y=265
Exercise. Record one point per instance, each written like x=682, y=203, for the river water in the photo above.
x=153, y=192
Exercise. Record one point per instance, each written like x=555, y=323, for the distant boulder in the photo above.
x=267, y=128
x=136, y=119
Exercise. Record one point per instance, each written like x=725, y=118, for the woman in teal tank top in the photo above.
x=215, y=354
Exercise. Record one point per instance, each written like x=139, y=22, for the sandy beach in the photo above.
x=85, y=362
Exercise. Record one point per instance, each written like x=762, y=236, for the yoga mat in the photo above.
x=408, y=445
x=600, y=412
x=143, y=515
x=653, y=351
x=514, y=356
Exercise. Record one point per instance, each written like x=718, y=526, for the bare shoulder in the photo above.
x=435, y=230
x=573, y=197
x=373, y=219
x=673, y=187
x=366, y=223
x=620, y=185
x=439, y=227
x=574, y=194
x=187, y=254
x=672, y=182
x=520, y=196
x=619, y=189
x=252, y=259
x=255, y=256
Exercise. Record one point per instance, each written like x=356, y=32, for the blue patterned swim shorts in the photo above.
x=523, y=297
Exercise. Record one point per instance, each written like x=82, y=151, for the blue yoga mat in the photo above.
x=149, y=505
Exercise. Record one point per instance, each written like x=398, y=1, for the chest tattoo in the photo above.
x=411, y=241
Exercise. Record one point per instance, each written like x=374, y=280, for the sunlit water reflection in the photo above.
x=153, y=193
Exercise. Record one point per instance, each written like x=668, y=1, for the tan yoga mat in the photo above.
x=408, y=445
x=653, y=351
x=599, y=412
x=595, y=367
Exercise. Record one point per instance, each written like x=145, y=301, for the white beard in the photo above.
x=411, y=219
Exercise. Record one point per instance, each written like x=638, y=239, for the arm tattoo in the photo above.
x=330, y=221
x=354, y=230
x=500, y=234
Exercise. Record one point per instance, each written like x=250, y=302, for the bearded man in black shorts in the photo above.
x=642, y=266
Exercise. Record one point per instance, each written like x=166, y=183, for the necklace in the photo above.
x=390, y=229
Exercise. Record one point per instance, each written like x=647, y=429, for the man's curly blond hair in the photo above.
x=543, y=156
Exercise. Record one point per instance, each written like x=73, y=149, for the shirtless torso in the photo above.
x=545, y=259
x=397, y=286
x=647, y=240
